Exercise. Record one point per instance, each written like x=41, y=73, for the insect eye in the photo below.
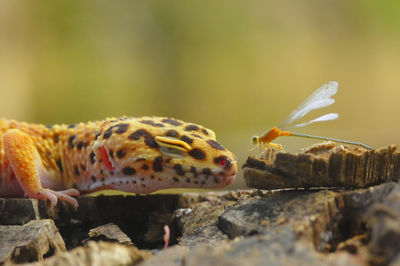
x=172, y=147
x=254, y=139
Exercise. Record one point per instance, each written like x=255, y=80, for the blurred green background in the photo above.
x=238, y=67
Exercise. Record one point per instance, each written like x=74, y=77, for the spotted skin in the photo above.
x=57, y=162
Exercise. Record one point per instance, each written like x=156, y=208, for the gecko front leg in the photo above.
x=29, y=170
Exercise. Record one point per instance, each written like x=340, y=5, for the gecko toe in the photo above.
x=71, y=192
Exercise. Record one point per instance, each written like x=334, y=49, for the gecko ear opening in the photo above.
x=172, y=147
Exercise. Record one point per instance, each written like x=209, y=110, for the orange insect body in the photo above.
x=268, y=137
x=272, y=134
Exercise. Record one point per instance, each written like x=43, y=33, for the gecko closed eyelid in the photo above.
x=139, y=155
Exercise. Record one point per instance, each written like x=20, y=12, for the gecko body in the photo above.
x=138, y=155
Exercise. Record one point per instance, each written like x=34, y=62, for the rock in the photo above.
x=97, y=254
x=135, y=221
x=383, y=222
x=315, y=227
x=199, y=225
x=312, y=214
x=18, y=211
x=197, y=222
x=354, y=245
x=273, y=248
x=109, y=232
x=173, y=256
x=323, y=165
x=246, y=227
x=29, y=242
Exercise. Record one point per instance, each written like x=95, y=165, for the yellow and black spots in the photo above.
x=192, y=128
x=157, y=164
x=152, y=123
x=128, y=170
x=133, y=154
x=81, y=145
x=187, y=139
x=215, y=145
x=148, y=138
x=172, y=133
x=179, y=170
x=171, y=121
x=205, y=132
x=196, y=136
x=92, y=157
x=197, y=154
x=71, y=141
x=120, y=129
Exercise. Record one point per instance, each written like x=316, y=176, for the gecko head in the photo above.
x=153, y=153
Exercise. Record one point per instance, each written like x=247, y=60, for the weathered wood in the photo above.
x=247, y=227
x=29, y=242
x=111, y=233
x=98, y=254
x=323, y=165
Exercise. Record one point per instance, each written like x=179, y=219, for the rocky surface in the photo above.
x=248, y=227
x=97, y=253
x=30, y=242
x=111, y=233
x=323, y=165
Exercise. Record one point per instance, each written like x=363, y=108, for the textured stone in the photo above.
x=18, y=211
x=97, y=254
x=383, y=222
x=173, y=256
x=199, y=223
x=29, y=242
x=110, y=232
x=250, y=227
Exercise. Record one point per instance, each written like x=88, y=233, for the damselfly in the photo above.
x=318, y=99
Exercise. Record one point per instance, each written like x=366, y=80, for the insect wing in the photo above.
x=327, y=117
x=318, y=99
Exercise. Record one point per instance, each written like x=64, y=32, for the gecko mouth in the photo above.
x=171, y=177
x=200, y=177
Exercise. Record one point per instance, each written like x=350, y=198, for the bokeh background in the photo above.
x=238, y=67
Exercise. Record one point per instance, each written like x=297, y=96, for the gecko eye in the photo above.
x=172, y=147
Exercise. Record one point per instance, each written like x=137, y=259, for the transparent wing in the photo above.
x=318, y=99
x=327, y=117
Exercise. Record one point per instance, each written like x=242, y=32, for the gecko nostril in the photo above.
x=223, y=161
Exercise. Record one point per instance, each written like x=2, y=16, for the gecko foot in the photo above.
x=53, y=196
